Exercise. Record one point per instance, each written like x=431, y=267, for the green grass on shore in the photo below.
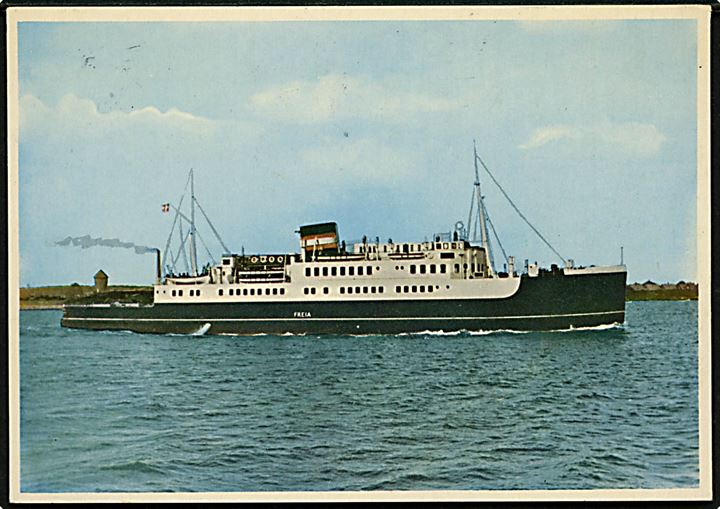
x=662, y=294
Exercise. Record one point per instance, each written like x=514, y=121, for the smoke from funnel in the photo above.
x=87, y=241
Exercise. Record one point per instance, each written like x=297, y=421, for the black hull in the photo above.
x=550, y=301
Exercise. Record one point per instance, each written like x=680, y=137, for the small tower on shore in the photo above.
x=101, y=281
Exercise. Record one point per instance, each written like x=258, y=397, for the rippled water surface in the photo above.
x=116, y=411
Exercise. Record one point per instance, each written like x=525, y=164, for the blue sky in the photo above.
x=589, y=125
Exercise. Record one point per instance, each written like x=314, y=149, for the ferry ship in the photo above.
x=445, y=284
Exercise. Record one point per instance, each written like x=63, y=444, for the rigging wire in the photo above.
x=187, y=240
x=212, y=258
x=217, y=235
x=517, y=209
x=172, y=230
x=181, y=249
x=497, y=237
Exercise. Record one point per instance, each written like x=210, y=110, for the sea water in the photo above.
x=587, y=409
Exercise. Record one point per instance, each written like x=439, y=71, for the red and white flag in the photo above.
x=166, y=207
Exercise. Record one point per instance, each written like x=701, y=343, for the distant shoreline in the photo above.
x=55, y=297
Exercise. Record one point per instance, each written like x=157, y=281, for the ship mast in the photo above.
x=193, y=244
x=481, y=217
x=188, y=241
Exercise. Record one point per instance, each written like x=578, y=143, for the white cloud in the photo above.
x=550, y=133
x=632, y=138
x=336, y=96
x=363, y=161
x=76, y=114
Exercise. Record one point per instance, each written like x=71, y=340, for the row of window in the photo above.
x=442, y=268
x=360, y=270
x=417, y=288
x=179, y=293
x=471, y=266
x=361, y=289
x=253, y=291
x=310, y=290
x=411, y=248
x=368, y=270
x=430, y=268
x=234, y=291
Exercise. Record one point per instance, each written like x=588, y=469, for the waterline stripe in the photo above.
x=295, y=319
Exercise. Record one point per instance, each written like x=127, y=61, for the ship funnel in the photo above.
x=158, y=267
x=319, y=238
